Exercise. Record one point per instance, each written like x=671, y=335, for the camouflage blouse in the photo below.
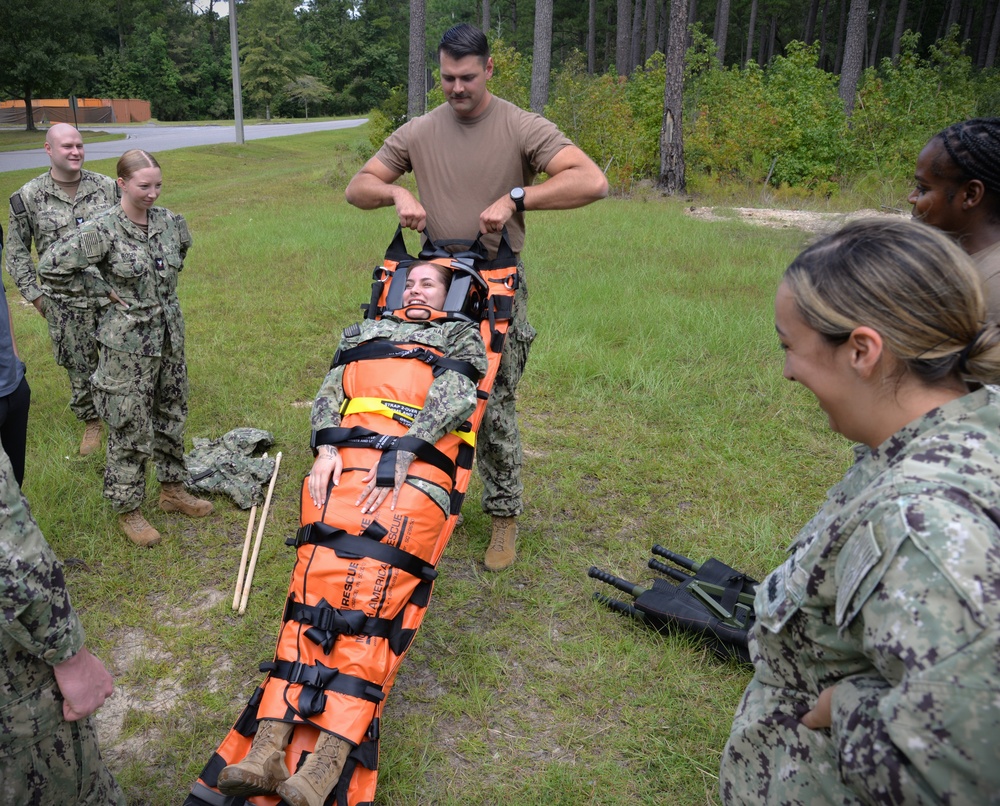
x=42, y=212
x=140, y=267
x=891, y=594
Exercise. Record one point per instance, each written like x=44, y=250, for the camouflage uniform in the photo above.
x=141, y=384
x=42, y=212
x=500, y=455
x=43, y=758
x=227, y=465
x=891, y=593
x=451, y=398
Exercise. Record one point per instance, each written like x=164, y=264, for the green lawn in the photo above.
x=653, y=411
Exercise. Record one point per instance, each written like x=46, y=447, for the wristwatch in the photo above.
x=517, y=196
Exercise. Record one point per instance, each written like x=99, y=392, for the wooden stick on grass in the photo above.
x=246, y=552
x=260, y=535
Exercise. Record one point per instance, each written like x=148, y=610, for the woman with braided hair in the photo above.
x=958, y=191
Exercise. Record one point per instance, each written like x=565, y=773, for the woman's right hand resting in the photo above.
x=327, y=465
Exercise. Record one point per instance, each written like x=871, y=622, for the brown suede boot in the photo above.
x=263, y=768
x=501, y=552
x=91, y=438
x=174, y=498
x=138, y=529
x=315, y=780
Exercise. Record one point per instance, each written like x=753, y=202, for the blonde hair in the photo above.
x=133, y=160
x=910, y=283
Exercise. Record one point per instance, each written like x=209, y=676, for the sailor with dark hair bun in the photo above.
x=958, y=191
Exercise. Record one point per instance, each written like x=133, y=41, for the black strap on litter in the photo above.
x=201, y=795
x=358, y=437
x=455, y=505
x=246, y=725
x=503, y=308
x=466, y=453
x=364, y=755
x=396, y=251
x=316, y=679
x=383, y=348
x=356, y=547
x=327, y=622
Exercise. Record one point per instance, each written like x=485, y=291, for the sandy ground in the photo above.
x=800, y=219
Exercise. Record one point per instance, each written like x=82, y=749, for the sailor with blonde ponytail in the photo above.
x=877, y=642
x=131, y=256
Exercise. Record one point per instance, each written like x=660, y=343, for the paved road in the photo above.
x=165, y=138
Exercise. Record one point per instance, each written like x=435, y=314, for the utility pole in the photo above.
x=234, y=48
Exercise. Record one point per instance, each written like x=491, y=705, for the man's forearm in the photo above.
x=368, y=192
x=571, y=188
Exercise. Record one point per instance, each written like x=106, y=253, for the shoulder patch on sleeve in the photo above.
x=91, y=243
x=856, y=560
x=183, y=231
x=17, y=204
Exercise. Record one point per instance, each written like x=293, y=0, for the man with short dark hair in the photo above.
x=475, y=160
x=42, y=211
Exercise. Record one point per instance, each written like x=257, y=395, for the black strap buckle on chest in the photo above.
x=358, y=437
x=383, y=348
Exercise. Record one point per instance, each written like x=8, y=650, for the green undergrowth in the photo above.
x=653, y=410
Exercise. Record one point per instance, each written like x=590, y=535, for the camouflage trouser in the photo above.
x=45, y=760
x=498, y=445
x=143, y=399
x=74, y=346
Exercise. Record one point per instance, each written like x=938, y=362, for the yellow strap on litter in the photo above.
x=393, y=409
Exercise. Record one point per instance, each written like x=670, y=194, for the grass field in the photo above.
x=653, y=411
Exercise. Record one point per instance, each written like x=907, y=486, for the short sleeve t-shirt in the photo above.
x=988, y=262
x=463, y=165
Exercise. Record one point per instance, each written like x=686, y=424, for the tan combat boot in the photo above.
x=263, y=768
x=174, y=498
x=501, y=552
x=91, y=438
x=315, y=780
x=138, y=529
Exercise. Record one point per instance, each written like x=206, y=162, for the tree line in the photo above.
x=720, y=76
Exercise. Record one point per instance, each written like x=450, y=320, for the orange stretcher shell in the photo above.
x=375, y=569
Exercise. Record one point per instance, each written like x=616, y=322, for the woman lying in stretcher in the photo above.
x=450, y=400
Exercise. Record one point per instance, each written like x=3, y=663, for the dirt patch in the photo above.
x=137, y=657
x=806, y=220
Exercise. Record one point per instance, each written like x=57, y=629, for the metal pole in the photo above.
x=234, y=48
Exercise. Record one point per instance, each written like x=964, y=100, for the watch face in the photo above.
x=517, y=193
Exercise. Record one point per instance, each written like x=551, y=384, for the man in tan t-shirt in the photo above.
x=475, y=160
x=958, y=191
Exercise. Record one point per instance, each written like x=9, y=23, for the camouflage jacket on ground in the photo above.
x=141, y=269
x=39, y=627
x=228, y=465
x=42, y=213
x=451, y=397
x=891, y=594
